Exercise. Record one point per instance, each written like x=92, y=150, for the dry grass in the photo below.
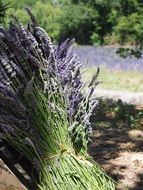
x=116, y=79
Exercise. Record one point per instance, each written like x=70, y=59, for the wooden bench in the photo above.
x=19, y=165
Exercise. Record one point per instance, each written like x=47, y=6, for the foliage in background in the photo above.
x=116, y=113
x=3, y=8
x=78, y=21
x=89, y=22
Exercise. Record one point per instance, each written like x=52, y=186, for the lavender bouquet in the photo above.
x=43, y=112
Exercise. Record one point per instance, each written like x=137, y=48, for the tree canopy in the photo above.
x=3, y=8
x=102, y=22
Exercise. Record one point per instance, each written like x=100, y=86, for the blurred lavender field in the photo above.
x=106, y=56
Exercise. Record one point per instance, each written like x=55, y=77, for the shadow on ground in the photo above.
x=120, y=153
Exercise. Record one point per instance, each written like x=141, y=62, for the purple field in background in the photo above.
x=106, y=56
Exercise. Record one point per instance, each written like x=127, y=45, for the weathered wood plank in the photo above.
x=19, y=166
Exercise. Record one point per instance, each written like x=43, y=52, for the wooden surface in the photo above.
x=7, y=180
x=14, y=164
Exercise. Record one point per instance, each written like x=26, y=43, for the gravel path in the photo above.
x=128, y=97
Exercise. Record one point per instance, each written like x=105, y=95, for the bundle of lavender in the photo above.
x=43, y=112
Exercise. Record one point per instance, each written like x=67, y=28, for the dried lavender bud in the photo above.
x=63, y=48
x=29, y=142
x=28, y=40
x=9, y=62
x=36, y=163
x=16, y=48
x=6, y=91
x=33, y=19
x=13, y=105
x=45, y=41
x=21, y=56
x=33, y=62
x=29, y=87
x=4, y=75
x=94, y=78
x=1, y=36
x=22, y=124
x=6, y=128
x=20, y=74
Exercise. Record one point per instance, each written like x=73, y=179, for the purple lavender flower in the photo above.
x=27, y=53
x=68, y=69
x=63, y=48
x=26, y=39
x=7, y=129
x=80, y=106
x=29, y=142
x=13, y=105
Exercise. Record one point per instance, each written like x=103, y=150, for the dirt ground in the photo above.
x=120, y=153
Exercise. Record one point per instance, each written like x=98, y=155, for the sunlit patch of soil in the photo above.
x=120, y=153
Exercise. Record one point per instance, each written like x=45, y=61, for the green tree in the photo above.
x=48, y=17
x=129, y=28
x=89, y=22
x=79, y=22
x=3, y=8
